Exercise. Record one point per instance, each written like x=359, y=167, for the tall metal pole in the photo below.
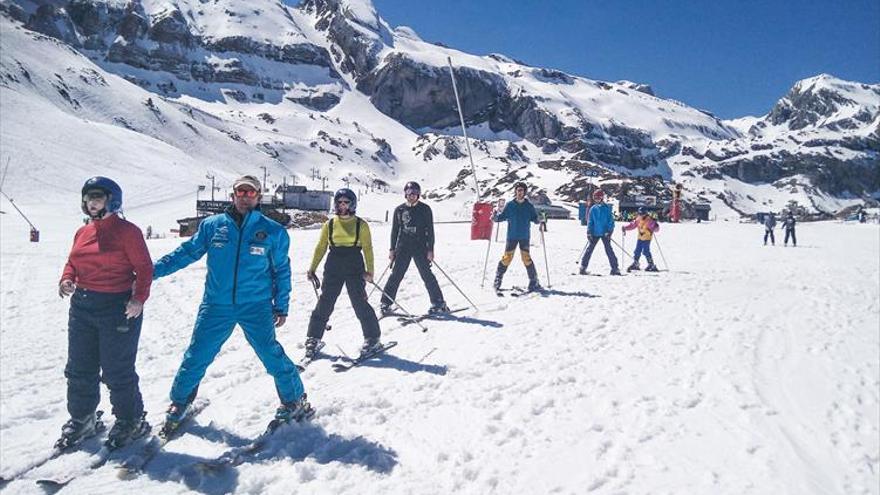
x=212, y=185
x=265, y=177
x=464, y=129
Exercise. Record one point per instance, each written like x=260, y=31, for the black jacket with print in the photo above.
x=413, y=228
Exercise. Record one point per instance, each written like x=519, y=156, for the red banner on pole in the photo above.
x=481, y=222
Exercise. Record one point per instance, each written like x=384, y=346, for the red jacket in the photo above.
x=108, y=255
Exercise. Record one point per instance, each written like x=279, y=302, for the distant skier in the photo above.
x=600, y=226
x=646, y=226
x=517, y=213
x=106, y=314
x=351, y=247
x=788, y=224
x=248, y=283
x=862, y=215
x=412, y=239
x=769, y=225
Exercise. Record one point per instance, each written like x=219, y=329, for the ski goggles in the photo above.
x=343, y=202
x=90, y=195
x=412, y=192
x=245, y=193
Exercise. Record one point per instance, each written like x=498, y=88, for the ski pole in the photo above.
x=315, y=284
x=546, y=263
x=486, y=262
x=408, y=314
x=621, y=248
x=380, y=278
x=583, y=251
x=657, y=238
x=454, y=284
x=623, y=244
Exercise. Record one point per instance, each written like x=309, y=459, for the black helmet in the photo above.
x=349, y=195
x=642, y=210
x=412, y=186
x=520, y=184
x=110, y=188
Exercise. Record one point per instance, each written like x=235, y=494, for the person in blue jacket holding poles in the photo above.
x=518, y=214
x=248, y=284
x=600, y=226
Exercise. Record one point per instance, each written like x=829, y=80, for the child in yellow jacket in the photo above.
x=646, y=226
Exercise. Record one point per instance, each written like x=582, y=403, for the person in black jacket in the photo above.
x=412, y=238
x=788, y=225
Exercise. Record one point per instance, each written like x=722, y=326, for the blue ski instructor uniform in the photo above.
x=248, y=283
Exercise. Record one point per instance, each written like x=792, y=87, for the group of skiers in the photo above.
x=788, y=224
x=109, y=274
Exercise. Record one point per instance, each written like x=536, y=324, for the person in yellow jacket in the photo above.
x=349, y=263
x=646, y=226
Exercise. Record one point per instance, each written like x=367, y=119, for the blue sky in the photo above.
x=733, y=58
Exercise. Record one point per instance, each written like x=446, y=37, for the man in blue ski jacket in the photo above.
x=519, y=214
x=248, y=283
x=600, y=226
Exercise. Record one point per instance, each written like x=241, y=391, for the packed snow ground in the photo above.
x=743, y=369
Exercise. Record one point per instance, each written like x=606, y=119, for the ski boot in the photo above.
x=438, y=308
x=534, y=285
x=75, y=430
x=125, y=431
x=297, y=410
x=313, y=345
x=651, y=268
x=615, y=271
x=385, y=309
x=370, y=346
x=582, y=271
x=635, y=266
x=499, y=276
x=175, y=415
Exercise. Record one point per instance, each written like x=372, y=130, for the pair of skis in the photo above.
x=351, y=363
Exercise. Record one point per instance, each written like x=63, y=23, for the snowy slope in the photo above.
x=743, y=370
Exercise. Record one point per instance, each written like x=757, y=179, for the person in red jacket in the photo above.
x=108, y=276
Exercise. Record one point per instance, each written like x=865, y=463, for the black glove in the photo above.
x=316, y=282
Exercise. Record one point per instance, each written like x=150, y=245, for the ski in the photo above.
x=340, y=367
x=239, y=455
x=136, y=464
x=307, y=360
x=99, y=459
x=55, y=453
x=406, y=320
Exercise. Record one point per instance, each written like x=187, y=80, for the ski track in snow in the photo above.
x=746, y=369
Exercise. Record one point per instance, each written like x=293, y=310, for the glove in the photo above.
x=66, y=288
x=316, y=282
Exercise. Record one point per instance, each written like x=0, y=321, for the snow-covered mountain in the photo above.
x=329, y=89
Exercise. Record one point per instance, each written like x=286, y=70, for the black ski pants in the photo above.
x=790, y=232
x=769, y=232
x=609, y=251
x=102, y=345
x=401, y=264
x=344, y=268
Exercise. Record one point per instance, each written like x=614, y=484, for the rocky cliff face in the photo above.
x=169, y=40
